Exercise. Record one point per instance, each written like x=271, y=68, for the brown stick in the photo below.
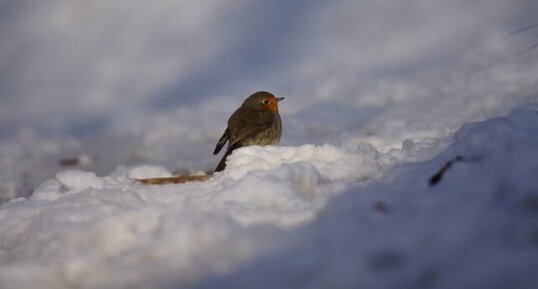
x=174, y=180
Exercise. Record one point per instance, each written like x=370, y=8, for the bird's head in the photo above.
x=263, y=100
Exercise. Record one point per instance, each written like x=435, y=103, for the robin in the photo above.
x=256, y=122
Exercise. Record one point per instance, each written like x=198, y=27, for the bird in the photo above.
x=255, y=122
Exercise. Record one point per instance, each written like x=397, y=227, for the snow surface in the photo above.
x=288, y=217
x=380, y=95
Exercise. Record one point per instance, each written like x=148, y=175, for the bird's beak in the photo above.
x=279, y=99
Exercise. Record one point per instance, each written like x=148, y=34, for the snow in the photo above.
x=379, y=97
x=147, y=171
x=78, y=180
x=339, y=216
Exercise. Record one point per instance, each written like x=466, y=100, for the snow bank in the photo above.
x=475, y=229
x=77, y=228
x=384, y=219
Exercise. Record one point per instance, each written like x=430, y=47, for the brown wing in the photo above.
x=243, y=124
x=246, y=123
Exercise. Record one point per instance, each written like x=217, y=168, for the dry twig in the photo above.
x=174, y=180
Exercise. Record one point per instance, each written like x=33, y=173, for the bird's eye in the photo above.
x=266, y=101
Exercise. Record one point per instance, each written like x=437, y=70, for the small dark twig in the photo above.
x=530, y=48
x=68, y=162
x=520, y=30
x=435, y=179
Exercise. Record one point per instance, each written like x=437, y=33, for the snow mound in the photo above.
x=331, y=163
x=475, y=228
x=84, y=221
x=78, y=180
x=384, y=217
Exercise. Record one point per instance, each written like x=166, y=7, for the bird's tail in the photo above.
x=222, y=164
